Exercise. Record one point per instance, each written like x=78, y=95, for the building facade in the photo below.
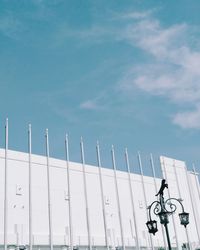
x=54, y=204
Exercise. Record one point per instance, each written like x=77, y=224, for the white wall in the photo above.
x=18, y=205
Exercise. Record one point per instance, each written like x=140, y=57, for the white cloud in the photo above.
x=172, y=69
x=188, y=119
x=89, y=105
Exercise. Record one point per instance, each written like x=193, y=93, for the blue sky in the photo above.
x=121, y=72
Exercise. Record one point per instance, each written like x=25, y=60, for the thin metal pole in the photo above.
x=117, y=194
x=164, y=173
x=132, y=200
x=69, y=191
x=156, y=190
x=144, y=193
x=192, y=202
x=49, y=191
x=6, y=187
x=102, y=195
x=86, y=195
x=196, y=180
x=167, y=234
x=30, y=186
x=162, y=204
x=179, y=194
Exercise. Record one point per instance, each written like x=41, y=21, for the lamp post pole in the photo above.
x=162, y=204
x=164, y=209
x=167, y=234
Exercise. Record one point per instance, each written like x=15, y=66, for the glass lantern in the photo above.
x=164, y=217
x=184, y=218
x=152, y=226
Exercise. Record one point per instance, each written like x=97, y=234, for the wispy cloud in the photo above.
x=92, y=35
x=89, y=105
x=172, y=68
x=190, y=119
x=10, y=26
x=17, y=24
x=134, y=15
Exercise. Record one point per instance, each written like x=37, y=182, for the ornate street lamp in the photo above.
x=164, y=209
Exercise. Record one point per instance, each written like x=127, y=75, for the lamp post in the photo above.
x=164, y=208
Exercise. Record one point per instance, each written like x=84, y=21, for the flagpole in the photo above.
x=6, y=187
x=85, y=194
x=102, y=195
x=164, y=174
x=118, y=201
x=156, y=191
x=179, y=194
x=196, y=180
x=49, y=191
x=30, y=185
x=193, y=209
x=144, y=193
x=132, y=199
x=69, y=191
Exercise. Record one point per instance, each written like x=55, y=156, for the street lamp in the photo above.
x=163, y=209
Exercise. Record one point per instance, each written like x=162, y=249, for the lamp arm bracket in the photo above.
x=170, y=205
x=156, y=207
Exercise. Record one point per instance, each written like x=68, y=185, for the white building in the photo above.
x=29, y=213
